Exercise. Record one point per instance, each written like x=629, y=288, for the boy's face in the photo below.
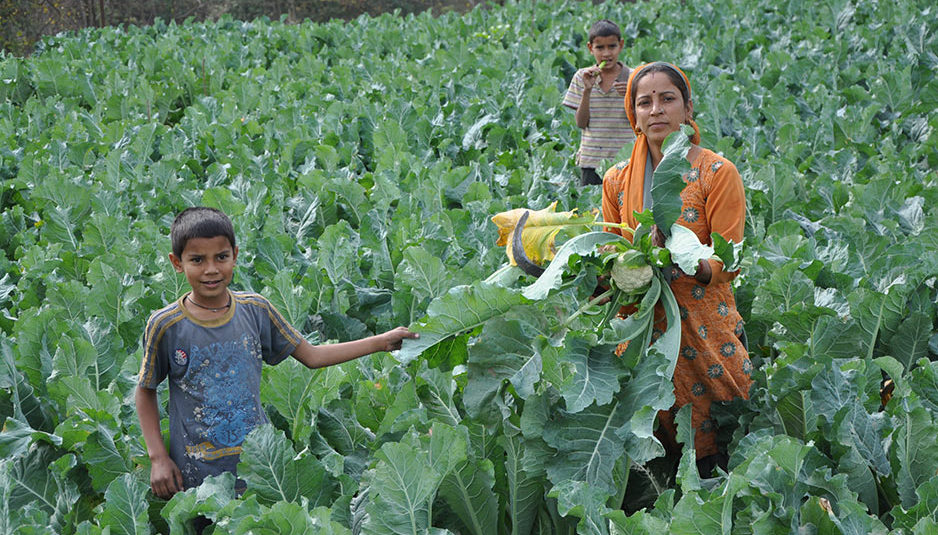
x=606, y=48
x=209, y=265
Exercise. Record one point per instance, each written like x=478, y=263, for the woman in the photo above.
x=713, y=364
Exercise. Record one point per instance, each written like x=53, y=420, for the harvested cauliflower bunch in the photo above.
x=630, y=272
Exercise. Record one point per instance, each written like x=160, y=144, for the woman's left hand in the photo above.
x=657, y=237
x=704, y=273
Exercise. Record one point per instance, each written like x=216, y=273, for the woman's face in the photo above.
x=659, y=107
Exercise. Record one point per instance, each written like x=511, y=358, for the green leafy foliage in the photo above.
x=361, y=175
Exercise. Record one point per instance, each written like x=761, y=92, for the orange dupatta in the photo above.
x=632, y=175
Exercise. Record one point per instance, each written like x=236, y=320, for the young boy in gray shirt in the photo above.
x=211, y=344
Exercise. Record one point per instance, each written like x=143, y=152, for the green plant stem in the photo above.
x=591, y=302
x=620, y=226
x=613, y=310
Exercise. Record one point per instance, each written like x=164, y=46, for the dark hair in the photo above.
x=670, y=72
x=604, y=28
x=199, y=222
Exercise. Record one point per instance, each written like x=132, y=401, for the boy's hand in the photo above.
x=620, y=87
x=165, y=477
x=393, y=338
x=590, y=76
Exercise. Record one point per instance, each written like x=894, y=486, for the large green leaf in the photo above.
x=468, y=490
x=587, y=445
x=695, y=514
x=25, y=405
x=687, y=474
x=298, y=392
x=525, y=490
x=288, y=518
x=92, y=435
x=421, y=273
x=594, y=371
x=33, y=486
x=584, y=244
x=923, y=513
x=639, y=523
x=668, y=179
x=403, y=484
x=17, y=436
x=290, y=297
x=438, y=393
x=275, y=472
x=914, y=458
x=115, y=294
x=787, y=288
x=796, y=414
x=878, y=316
x=125, y=507
x=910, y=342
x=338, y=249
x=648, y=391
x=213, y=494
x=503, y=352
x=461, y=309
x=579, y=499
x=834, y=395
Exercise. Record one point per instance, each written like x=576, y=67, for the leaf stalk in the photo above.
x=590, y=303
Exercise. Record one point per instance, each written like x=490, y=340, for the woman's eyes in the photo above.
x=644, y=103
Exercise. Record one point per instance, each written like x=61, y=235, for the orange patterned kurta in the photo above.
x=712, y=365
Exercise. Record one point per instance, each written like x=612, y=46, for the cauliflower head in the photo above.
x=630, y=272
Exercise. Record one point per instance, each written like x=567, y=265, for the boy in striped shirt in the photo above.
x=596, y=94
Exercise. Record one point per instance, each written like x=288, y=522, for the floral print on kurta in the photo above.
x=712, y=363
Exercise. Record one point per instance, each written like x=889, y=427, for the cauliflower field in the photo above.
x=362, y=162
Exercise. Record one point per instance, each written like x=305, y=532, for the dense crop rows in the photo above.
x=361, y=164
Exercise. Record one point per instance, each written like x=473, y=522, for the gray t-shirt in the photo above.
x=214, y=371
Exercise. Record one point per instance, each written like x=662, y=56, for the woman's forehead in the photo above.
x=655, y=82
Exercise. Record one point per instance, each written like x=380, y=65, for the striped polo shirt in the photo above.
x=608, y=130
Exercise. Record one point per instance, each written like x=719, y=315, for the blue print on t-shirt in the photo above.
x=229, y=413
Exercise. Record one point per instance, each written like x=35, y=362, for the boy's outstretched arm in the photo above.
x=165, y=477
x=328, y=354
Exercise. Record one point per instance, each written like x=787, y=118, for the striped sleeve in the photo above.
x=155, y=363
x=574, y=92
x=283, y=338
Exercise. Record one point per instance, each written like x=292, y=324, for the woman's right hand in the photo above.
x=165, y=477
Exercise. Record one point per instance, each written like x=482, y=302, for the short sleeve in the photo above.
x=281, y=339
x=155, y=364
x=574, y=92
